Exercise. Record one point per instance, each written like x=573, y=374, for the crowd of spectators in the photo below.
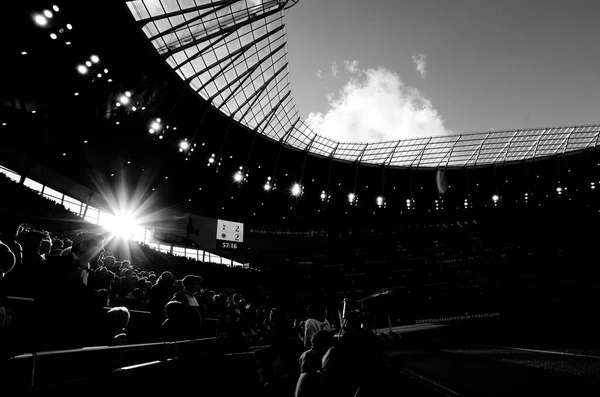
x=83, y=294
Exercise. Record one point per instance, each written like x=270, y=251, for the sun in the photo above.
x=122, y=224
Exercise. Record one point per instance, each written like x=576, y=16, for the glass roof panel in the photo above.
x=234, y=54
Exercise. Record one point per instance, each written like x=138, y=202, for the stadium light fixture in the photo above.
x=40, y=20
x=82, y=69
x=124, y=100
x=296, y=190
x=379, y=201
x=55, y=8
x=211, y=160
x=53, y=36
x=267, y=187
x=495, y=198
x=48, y=14
x=94, y=58
x=351, y=197
x=238, y=177
x=69, y=26
x=155, y=125
x=323, y=195
x=127, y=93
x=184, y=145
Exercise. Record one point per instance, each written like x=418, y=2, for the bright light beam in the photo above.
x=122, y=225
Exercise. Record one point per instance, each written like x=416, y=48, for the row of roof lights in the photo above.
x=42, y=19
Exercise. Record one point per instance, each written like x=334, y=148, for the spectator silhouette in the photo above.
x=160, y=294
x=316, y=321
x=176, y=326
x=117, y=320
x=187, y=297
x=310, y=382
x=68, y=311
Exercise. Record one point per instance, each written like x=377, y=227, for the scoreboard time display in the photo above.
x=230, y=235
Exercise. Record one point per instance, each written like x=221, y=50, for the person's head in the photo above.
x=321, y=341
x=127, y=264
x=57, y=244
x=109, y=261
x=118, y=318
x=236, y=299
x=166, y=278
x=152, y=278
x=88, y=246
x=67, y=243
x=7, y=260
x=55, y=252
x=139, y=293
x=273, y=314
x=31, y=241
x=174, y=310
x=192, y=283
x=45, y=246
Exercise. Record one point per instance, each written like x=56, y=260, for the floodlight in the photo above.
x=40, y=20
x=296, y=189
x=238, y=177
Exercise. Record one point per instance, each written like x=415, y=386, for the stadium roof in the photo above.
x=233, y=53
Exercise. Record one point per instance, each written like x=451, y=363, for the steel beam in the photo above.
x=220, y=32
x=239, y=51
x=145, y=21
x=219, y=6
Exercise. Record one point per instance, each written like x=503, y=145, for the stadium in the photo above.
x=444, y=265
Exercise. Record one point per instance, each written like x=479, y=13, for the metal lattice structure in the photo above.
x=233, y=53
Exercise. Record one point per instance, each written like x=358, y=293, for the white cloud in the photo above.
x=420, y=61
x=319, y=73
x=351, y=66
x=374, y=106
x=335, y=71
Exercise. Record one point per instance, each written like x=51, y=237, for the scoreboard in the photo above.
x=229, y=235
x=205, y=233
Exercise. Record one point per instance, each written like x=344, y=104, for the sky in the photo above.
x=394, y=69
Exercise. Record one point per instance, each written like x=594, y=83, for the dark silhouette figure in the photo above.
x=190, y=229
